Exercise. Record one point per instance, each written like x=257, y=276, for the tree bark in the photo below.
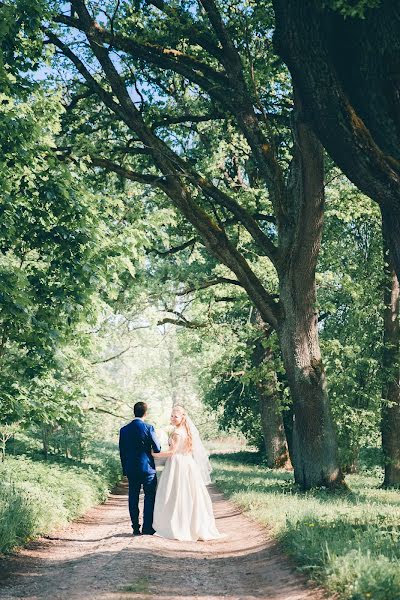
x=350, y=93
x=45, y=441
x=288, y=423
x=315, y=454
x=3, y=447
x=390, y=414
x=276, y=448
x=275, y=444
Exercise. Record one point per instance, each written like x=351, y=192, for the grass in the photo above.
x=140, y=586
x=348, y=542
x=36, y=496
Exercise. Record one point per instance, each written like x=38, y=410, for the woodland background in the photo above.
x=173, y=231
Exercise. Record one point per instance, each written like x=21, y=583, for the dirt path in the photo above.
x=96, y=558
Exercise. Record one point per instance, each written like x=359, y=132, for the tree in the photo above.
x=350, y=281
x=269, y=393
x=213, y=72
x=391, y=380
x=345, y=71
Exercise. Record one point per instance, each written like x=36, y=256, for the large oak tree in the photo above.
x=346, y=69
x=110, y=48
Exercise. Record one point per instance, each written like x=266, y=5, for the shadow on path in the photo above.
x=97, y=558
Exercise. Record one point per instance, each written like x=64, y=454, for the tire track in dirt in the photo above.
x=97, y=558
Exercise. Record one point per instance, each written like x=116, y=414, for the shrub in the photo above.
x=348, y=542
x=36, y=497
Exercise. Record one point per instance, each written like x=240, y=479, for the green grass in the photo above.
x=140, y=586
x=348, y=542
x=37, y=496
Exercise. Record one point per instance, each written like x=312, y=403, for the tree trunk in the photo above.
x=391, y=223
x=350, y=93
x=288, y=424
x=3, y=448
x=272, y=426
x=276, y=448
x=315, y=452
x=391, y=375
x=45, y=441
x=270, y=404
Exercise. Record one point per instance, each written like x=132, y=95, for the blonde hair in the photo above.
x=189, y=441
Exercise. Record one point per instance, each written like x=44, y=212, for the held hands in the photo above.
x=166, y=454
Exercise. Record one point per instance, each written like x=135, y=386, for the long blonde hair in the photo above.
x=189, y=440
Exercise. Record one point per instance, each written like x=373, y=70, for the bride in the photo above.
x=183, y=509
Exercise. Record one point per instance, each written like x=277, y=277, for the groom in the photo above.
x=136, y=441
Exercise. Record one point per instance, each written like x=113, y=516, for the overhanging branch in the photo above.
x=174, y=249
x=109, y=165
x=182, y=323
x=206, y=284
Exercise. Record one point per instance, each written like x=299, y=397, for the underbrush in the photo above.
x=349, y=542
x=37, y=496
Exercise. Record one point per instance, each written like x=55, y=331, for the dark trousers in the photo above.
x=149, y=484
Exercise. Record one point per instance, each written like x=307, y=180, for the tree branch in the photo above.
x=110, y=358
x=174, y=249
x=167, y=58
x=176, y=120
x=103, y=410
x=215, y=238
x=182, y=323
x=210, y=283
x=192, y=29
x=109, y=165
x=105, y=96
x=77, y=98
x=230, y=57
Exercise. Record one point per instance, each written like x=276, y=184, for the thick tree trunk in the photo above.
x=350, y=93
x=391, y=377
x=276, y=448
x=391, y=224
x=315, y=452
x=288, y=423
x=315, y=455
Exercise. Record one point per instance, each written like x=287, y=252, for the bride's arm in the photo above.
x=172, y=448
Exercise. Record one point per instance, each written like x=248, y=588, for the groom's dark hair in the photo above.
x=140, y=409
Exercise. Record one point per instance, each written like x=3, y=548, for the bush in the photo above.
x=360, y=576
x=348, y=542
x=36, y=497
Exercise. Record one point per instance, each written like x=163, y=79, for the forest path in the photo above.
x=96, y=558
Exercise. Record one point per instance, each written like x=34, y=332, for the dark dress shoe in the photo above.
x=136, y=531
x=148, y=531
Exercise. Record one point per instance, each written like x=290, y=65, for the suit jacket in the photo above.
x=136, y=441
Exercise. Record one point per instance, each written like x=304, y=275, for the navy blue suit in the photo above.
x=136, y=441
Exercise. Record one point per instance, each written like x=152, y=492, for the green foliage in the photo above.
x=352, y=8
x=84, y=254
x=350, y=294
x=48, y=255
x=21, y=42
x=229, y=376
x=36, y=497
x=349, y=542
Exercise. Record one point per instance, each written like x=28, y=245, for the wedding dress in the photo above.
x=183, y=509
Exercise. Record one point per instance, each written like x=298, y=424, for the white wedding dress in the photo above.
x=183, y=509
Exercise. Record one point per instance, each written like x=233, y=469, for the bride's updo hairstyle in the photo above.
x=185, y=424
